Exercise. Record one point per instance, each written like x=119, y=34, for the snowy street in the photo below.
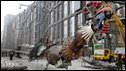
x=40, y=64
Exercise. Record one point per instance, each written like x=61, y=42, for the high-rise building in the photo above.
x=8, y=31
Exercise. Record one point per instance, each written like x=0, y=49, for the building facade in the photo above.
x=42, y=18
x=58, y=19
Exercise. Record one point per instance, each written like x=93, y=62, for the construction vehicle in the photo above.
x=104, y=54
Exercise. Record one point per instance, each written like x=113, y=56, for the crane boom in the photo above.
x=121, y=28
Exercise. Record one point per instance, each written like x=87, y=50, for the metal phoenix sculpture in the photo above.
x=61, y=55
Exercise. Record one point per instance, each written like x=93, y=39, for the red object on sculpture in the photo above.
x=97, y=4
x=91, y=2
x=105, y=28
x=85, y=9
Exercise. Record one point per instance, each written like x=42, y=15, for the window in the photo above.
x=28, y=22
x=32, y=39
x=52, y=19
x=49, y=18
x=117, y=6
x=65, y=28
x=65, y=9
x=52, y=4
x=58, y=30
x=27, y=39
x=55, y=14
x=71, y=7
x=32, y=33
x=31, y=16
x=36, y=27
x=59, y=12
x=29, y=36
x=36, y=35
x=79, y=23
x=42, y=5
x=34, y=13
x=41, y=32
x=37, y=13
x=74, y=5
x=51, y=32
x=55, y=31
x=72, y=26
x=55, y=3
x=122, y=11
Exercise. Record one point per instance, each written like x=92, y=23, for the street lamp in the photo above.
x=22, y=5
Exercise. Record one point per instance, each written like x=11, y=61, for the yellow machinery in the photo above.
x=121, y=27
x=107, y=53
x=101, y=53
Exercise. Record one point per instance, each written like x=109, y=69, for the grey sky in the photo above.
x=11, y=7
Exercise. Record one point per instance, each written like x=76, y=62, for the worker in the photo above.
x=11, y=55
x=119, y=63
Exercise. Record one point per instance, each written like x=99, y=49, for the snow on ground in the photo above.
x=40, y=64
